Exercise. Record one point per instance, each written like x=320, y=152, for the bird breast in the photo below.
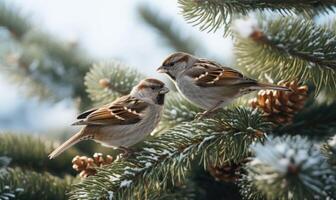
x=204, y=97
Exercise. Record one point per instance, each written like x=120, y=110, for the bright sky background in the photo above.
x=106, y=29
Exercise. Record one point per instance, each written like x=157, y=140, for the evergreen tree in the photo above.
x=278, y=146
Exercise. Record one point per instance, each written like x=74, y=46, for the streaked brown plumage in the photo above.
x=125, y=121
x=208, y=84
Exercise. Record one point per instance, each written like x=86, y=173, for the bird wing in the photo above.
x=125, y=110
x=210, y=74
x=84, y=114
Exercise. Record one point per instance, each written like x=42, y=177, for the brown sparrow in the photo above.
x=124, y=122
x=208, y=84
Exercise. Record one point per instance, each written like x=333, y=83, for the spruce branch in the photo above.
x=48, y=63
x=178, y=110
x=4, y=161
x=329, y=150
x=108, y=80
x=47, y=68
x=288, y=49
x=16, y=183
x=167, y=29
x=290, y=168
x=212, y=15
x=36, y=59
x=248, y=190
x=210, y=188
x=13, y=19
x=26, y=151
x=316, y=121
x=187, y=191
x=167, y=159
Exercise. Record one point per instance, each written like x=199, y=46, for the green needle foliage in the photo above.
x=316, y=121
x=290, y=168
x=186, y=191
x=14, y=20
x=178, y=110
x=207, y=187
x=183, y=192
x=19, y=184
x=107, y=81
x=31, y=152
x=329, y=150
x=248, y=190
x=290, y=48
x=46, y=66
x=173, y=165
x=167, y=159
x=4, y=161
x=48, y=63
x=60, y=61
x=167, y=29
x=215, y=14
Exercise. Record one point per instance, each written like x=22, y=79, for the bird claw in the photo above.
x=199, y=116
x=125, y=152
x=202, y=115
x=205, y=114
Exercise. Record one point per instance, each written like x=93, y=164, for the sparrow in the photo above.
x=208, y=84
x=124, y=122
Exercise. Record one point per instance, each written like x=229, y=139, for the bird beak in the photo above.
x=164, y=90
x=161, y=70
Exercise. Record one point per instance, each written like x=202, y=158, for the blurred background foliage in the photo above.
x=48, y=69
x=40, y=65
x=53, y=69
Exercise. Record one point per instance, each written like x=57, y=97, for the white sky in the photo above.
x=113, y=29
x=106, y=29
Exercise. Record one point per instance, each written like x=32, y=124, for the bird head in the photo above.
x=176, y=64
x=151, y=91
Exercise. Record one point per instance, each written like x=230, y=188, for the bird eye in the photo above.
x=152, y=87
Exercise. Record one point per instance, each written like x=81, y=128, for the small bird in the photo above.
x=124, y=122
x=208, y=84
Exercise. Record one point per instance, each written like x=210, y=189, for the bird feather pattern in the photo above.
x=210, y=74
x=125, y=110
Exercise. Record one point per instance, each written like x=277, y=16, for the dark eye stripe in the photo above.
x=145, y=86
x=170, y=62
x=157, y=86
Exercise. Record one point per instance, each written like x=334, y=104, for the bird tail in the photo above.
x=67, y=144
x=269, y=86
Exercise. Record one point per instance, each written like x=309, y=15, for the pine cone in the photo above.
x=229, y=172
x=258, y=36
x=12, y=59
x=280, y=106
x=104, y=83
x=87, y=166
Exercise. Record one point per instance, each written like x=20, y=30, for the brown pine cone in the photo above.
x=104, y=83
x=281, y=106
x=228, y=172
x=87, y=166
